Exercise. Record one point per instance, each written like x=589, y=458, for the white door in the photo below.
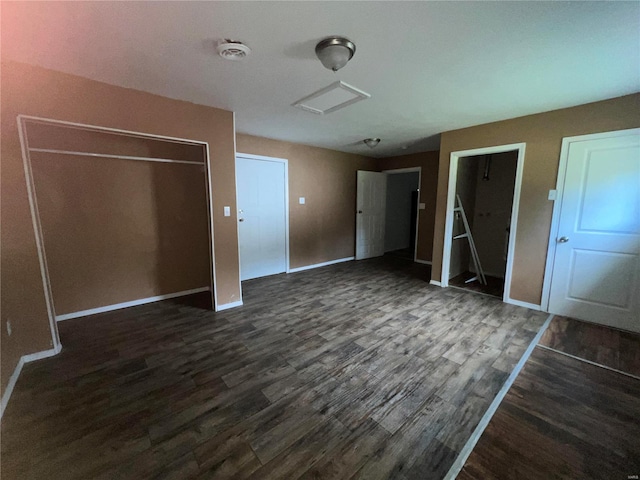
x=596, y=266
x=262, y=217
x=370, y=216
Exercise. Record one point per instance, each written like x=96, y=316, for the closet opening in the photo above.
x=484, y=189
x=121, y=218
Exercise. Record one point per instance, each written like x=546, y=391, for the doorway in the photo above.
x=482, y=207
x=401, y=217
x=593, y=262
x=263, y=215
x=109, y=205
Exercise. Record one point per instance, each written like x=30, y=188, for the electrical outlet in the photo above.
x=8, y=328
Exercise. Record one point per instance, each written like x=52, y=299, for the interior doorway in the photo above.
x=401, y=219
x=482, y=206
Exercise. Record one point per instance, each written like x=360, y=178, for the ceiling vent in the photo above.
x=232, y=50
x=329, y=99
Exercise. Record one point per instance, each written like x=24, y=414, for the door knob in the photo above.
x=563, y=239
x=241, y=219
x=359, y=211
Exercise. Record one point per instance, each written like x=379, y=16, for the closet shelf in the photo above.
x=120, y=157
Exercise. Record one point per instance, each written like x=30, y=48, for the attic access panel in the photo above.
x=329, y=99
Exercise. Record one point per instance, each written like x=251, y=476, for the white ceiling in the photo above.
x=429, y=66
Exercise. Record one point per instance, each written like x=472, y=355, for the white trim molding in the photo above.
x=519, y=303
x=486, y=418
x=451, y=195
x=16, y=373
x=37, y=230
x=10, y=386
x=323, y=264
x=435, y=282
x=132, y=303
x=227, y=306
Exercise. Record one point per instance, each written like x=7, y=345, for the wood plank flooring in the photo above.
x=606, y=346
x=564, y=419
x=358, y=370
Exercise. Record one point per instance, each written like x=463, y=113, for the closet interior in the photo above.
x=122, y=218
x=484, y=195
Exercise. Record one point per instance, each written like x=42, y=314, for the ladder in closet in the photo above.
x=472, y=245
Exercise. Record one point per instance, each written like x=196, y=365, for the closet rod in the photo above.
x=120, y=157
x=107, y=130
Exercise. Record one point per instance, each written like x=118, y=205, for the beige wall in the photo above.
x=120, y=230
x=39, y=92
x=429, y=183
x=543, y=135
x=323, y=229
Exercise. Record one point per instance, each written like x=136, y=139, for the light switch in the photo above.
x=422, y=206
x=227, y=211
x=553, y=194
x=301, y=200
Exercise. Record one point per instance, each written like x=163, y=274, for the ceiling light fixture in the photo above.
x=371, y=142
x=335, y=52
x=232, y=49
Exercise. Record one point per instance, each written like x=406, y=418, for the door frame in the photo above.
x=557, y=204
x=264, y=158
x=451, y=195
x=410, y=170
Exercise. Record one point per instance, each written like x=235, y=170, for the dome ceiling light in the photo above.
x=335, y=52
x=371, y=142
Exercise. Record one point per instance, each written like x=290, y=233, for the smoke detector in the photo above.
x=232, y=49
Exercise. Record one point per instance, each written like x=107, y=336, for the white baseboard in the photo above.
x=16, y=373
x=532, y=306
x=323, y=264
x=133, y=303
x=12, y=383
x=40, y=355
x=227, y=306
x=425, y=262
x=435, y=282
x=484, y=421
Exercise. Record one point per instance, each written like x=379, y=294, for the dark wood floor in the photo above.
x=563, y=419
x=606, y=346
x=357, y=370
x=494, y=286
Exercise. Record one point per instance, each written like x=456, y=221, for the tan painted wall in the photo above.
x=429, y=183
x=323, y=229
x=35, y=91
x=543, y=135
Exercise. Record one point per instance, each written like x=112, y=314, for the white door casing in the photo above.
x=593, y=269
x=262, y=197
x=370, y=214
x=515, y=208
